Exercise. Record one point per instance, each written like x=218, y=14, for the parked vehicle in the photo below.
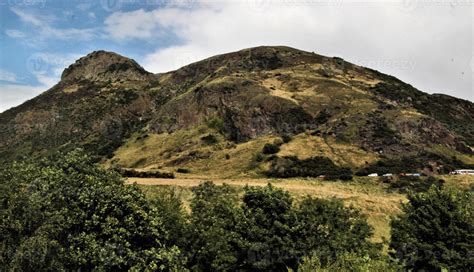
x=462, y=172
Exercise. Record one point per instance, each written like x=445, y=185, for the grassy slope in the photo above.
x=225, y=159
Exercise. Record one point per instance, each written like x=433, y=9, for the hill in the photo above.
x=213, y=118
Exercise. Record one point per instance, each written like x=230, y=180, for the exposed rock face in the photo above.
x=246, y=109
x=104, y=66
x=104, y=98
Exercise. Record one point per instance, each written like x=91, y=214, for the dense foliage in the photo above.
x=65, y=213
x=68, y=214
x=291, y=166
x=414, y=163
x=265, y=231
x=131, y=173
x=270, y=149
x=436, y=231
x=413, y=184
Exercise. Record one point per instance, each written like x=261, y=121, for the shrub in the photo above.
x=343, y=177
x=349, y=262
x=209, y=139
x=322, y=117
x=412, y=163
x=405, y=184
x=435, y=232
x=183, y=170
x=216, y=123
x=131, y=173
x=286, y=138
x=291, y=166
x=270, y=149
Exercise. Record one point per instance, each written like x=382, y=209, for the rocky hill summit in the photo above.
x=104, y=66
x=215, y=116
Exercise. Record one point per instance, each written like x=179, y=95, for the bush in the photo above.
x=413, y=163
x=286, y=138
x=209, y=139
x=216, y=123
x=270, y=149
x=183, y=170
x=435, y=232
x=405, y=184
x=131, y=173
x=291, y=166
x=349, y=262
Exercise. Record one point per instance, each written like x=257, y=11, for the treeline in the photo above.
x=67, y=214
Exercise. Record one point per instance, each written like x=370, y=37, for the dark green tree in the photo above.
x=68, y=214
x=214, y=241
x=170, y=210
x=267, y=229
x=327, y=230
x=436, y=231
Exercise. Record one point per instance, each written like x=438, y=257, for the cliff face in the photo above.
x=105, y=101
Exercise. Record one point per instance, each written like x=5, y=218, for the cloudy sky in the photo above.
x=427, y=43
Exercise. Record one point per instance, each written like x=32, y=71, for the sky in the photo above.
x=427, y=43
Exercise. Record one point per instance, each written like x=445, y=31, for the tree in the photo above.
x=67, y=213
x=436, y=231
x=214, y=241
x=267, y=229
x=326, y=229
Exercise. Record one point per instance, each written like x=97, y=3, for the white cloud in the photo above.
x=428, y=45
x=13, y=33
x=7, y=76
x=43, y=24
x=45, y=67
x=12, y=95
x=35, y=20
x=130, y=25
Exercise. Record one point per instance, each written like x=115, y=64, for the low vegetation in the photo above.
x=131, y=173
x=413, y=164
x=291, y=166
x=406, y=184
x=270, y=149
